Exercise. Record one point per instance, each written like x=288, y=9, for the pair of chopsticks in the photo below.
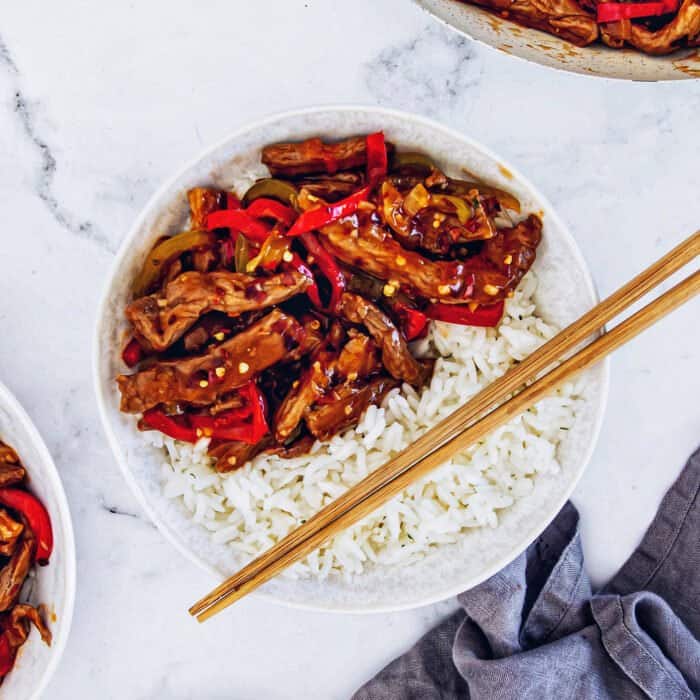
x=485, y=412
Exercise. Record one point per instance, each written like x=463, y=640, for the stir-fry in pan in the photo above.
x=276, y=319
x=25, y=540
x=654, y=27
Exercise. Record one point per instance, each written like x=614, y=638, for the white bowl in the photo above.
x=546, y=49
x=566, y=292
x=54, y=584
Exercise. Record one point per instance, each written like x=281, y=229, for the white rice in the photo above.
x=251, y=508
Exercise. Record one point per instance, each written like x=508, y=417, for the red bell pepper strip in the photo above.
x=132, y=353
x=169, y=425
x=377, y=161
x=312, y=290
x=414, y=323
x=232, y=201
x=264, y=208
x=485, y=316
x=328, y=266
x=616, y=11
x=239, y=220
x=36, y=515
x=7, y=656
x=245, y=424
x=321, y=216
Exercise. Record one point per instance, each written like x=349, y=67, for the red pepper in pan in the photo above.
x=377, y=161
x=172, y=426
x=32, y=509
x=132, y=353
x=321, y=216
x=328, y=266
x=617, y=11
x=486, y=316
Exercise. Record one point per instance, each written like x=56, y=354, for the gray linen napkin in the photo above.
x=536, y=630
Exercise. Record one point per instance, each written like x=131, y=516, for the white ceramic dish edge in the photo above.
x=64, y=546
x=166, y=529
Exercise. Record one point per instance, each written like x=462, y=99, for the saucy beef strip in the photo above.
x=396, y=356
x=333, y=188
x=684, y=28
x=16, y=625
x=11, y=474
x=309, y=387
x=7, y=455
x=362, y=242
x=10, y=531
x=563, y=18
x=434, y=222
x=315, y=156
x=162, y=318
x=512, y=252
x=356, y=361
x=11, y=471
x=270, y=340
x=232, y=455
x=345, y=404
x=203, y=201
x=13, y=574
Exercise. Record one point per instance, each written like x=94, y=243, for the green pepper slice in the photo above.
x=165, y=252
x=271, y=187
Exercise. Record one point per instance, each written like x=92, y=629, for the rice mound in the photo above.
x=252, y=508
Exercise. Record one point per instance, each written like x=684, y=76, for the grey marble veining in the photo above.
x=100, y=102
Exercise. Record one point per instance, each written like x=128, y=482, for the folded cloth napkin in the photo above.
x=536, y=630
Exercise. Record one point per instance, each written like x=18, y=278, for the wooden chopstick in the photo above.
x=448, y=436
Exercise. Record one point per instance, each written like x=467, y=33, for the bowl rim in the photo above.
x=132, y=233
x=557, y=66
x=59, y=642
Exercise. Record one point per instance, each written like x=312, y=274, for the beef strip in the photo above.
x=357, y=360
x=333, y=188
x=396, y=356
x=162, y=318
x=296, y=448
x=10, y=531
x=233, y=455
x=16, y=625
x=364, y=243
x=683, y=28
x=7, y=455
x=512, y=252
x=563, y=18
x=15, y=571
x=422, y=219
x=11, y=474
x=272, y=339
x=203, y=201
x=315, y=156
x=309, y=387
x=347, y=403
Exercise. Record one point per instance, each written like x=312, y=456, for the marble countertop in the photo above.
x=99, y=102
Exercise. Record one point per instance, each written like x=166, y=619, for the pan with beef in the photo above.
x=283, y=314
x=25, y=541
